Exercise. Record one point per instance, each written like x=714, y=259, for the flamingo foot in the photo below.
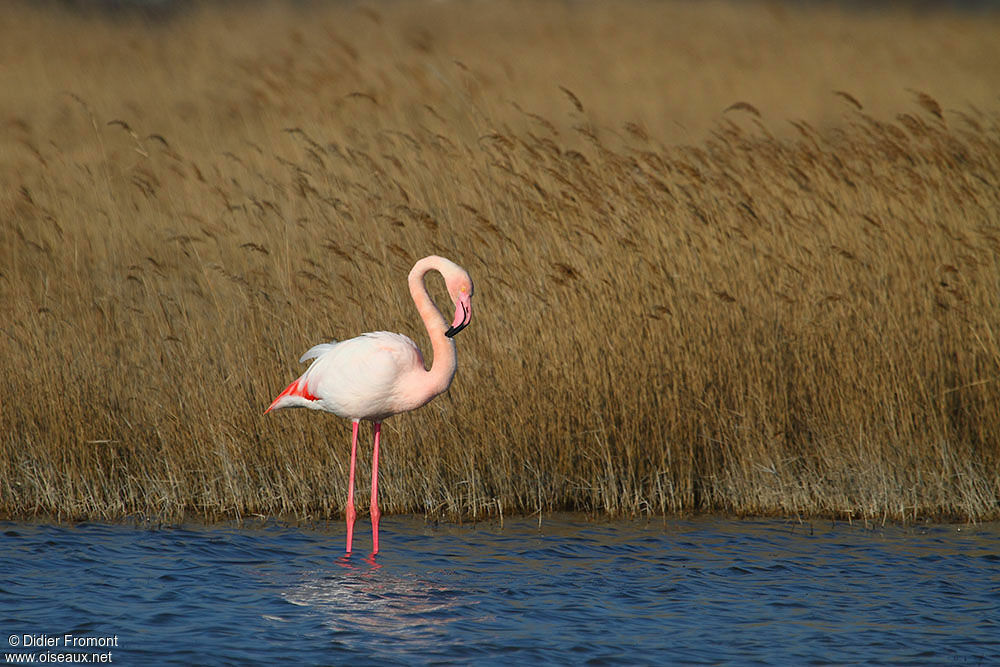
x=376, y=514
x=351, y=516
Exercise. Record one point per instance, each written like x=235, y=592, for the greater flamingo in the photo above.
x=380, y=374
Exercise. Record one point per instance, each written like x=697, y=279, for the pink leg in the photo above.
x=350, y=488
x=375, y=511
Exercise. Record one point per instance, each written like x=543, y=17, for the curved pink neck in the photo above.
x=445, y=363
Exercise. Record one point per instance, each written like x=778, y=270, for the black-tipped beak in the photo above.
x=463, y=315
x=450, y=333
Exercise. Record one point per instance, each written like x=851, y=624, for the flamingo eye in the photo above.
x=463, y=289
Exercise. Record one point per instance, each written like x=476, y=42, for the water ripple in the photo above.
x=568, y=592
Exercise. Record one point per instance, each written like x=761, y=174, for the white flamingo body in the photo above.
x=380, y=374
x=360, y=378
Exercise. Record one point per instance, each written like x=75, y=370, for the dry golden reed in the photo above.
x=724, y=260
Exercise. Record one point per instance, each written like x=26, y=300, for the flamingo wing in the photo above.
x=317, y=350
x=356, y=378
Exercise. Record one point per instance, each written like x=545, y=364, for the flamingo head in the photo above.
x=460, y=289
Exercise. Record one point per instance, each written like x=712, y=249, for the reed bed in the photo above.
x=755, y=291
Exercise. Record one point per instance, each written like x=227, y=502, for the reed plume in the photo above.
x=780, y=301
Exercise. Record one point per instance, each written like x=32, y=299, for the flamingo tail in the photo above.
x=287, y=399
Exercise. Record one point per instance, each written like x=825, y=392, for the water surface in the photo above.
x=567, y=592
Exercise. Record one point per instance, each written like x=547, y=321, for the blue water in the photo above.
x=567, y=592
